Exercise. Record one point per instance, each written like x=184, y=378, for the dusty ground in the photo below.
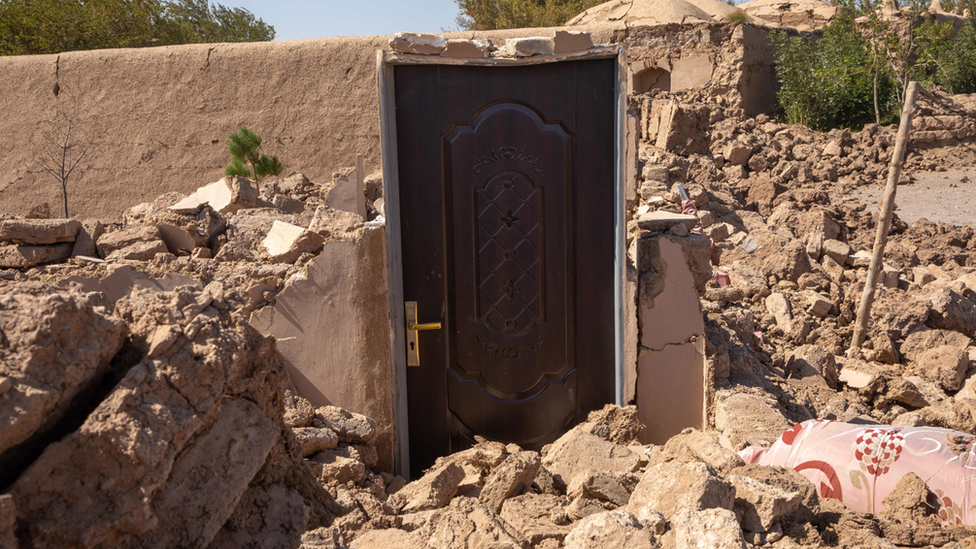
x=940, y=196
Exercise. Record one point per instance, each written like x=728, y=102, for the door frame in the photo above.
x=385, y=62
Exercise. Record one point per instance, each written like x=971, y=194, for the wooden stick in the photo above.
x=884, y=224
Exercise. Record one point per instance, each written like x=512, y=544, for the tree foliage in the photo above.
x=859, y=70
x=247, y=160
x=52, y=26
x=515, y=14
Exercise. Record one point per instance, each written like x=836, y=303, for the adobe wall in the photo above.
x=165, y=114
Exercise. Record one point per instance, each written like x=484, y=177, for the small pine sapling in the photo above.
x=247, y=160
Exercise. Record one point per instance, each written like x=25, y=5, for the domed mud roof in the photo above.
x=644, y=12
x=800, y=14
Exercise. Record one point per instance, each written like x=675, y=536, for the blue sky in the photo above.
x=296, y=19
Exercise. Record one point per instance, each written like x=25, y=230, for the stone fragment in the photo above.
x=813, y=360
x=857, y=374
x=720, y=231
x=207, y=489
x=577, y=452
x=917, y=343
x=337, y=466
x=91, y=230
x=692, y=445
x=332, y=222
x=760, y=505
x=737, y=153
x=669, y=487
x=22, y=256
x=391, y=538
x=833, y=149
x=565, y=41
x=922, y=276
x=945, y=365
x=602, y=486
x=748, y=419
x=51, y=348
x=286, y=242
x=431, y=491
x=707, y=529
x=951, y=310
x=526, y=47
x=178, y=240
x=610, y=529
x=778, y=306
x=508, y=479
x=139, y=243
x=469, y=523
x=298, y=411
x=350, y=426
x=314, y=439
x=816, y=304
x=39, y=231
x=532, y=516
x=419, y=43
x=814, y=244
x=226, y=196
x=467, y=49
x=837, y=250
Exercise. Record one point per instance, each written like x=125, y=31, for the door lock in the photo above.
x=413, y=342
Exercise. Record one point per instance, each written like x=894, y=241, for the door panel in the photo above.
x=506, y=191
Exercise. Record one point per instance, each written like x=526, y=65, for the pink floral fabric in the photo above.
x=861, y=464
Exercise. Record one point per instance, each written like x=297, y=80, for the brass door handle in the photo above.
x=423, y=327
x=413, y=341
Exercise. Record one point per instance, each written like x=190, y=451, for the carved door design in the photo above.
x=506, y=191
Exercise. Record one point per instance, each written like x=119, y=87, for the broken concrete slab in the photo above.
x=661, y=221
x=286, y=242
x=566, y=41
x=22, y=256
x=349, y=191
x=419, y=43
x=228, y=195
x=39, y=231
x=466, y=49
x=857, y=374
x=526, y=47
x=138, y=243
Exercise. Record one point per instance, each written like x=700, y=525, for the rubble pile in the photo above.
x=791, y=247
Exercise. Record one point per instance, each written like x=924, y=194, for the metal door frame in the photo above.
x=385, y=61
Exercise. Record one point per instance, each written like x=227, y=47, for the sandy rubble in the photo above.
x=114, y=448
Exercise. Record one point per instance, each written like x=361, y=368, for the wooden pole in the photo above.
x=884, y=221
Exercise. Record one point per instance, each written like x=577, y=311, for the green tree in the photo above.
x=247, y=160
x=514, y=14
x=52, y=26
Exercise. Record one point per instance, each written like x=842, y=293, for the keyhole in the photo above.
x=413, y=345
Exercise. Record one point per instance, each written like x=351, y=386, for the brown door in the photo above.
x=506, y=185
